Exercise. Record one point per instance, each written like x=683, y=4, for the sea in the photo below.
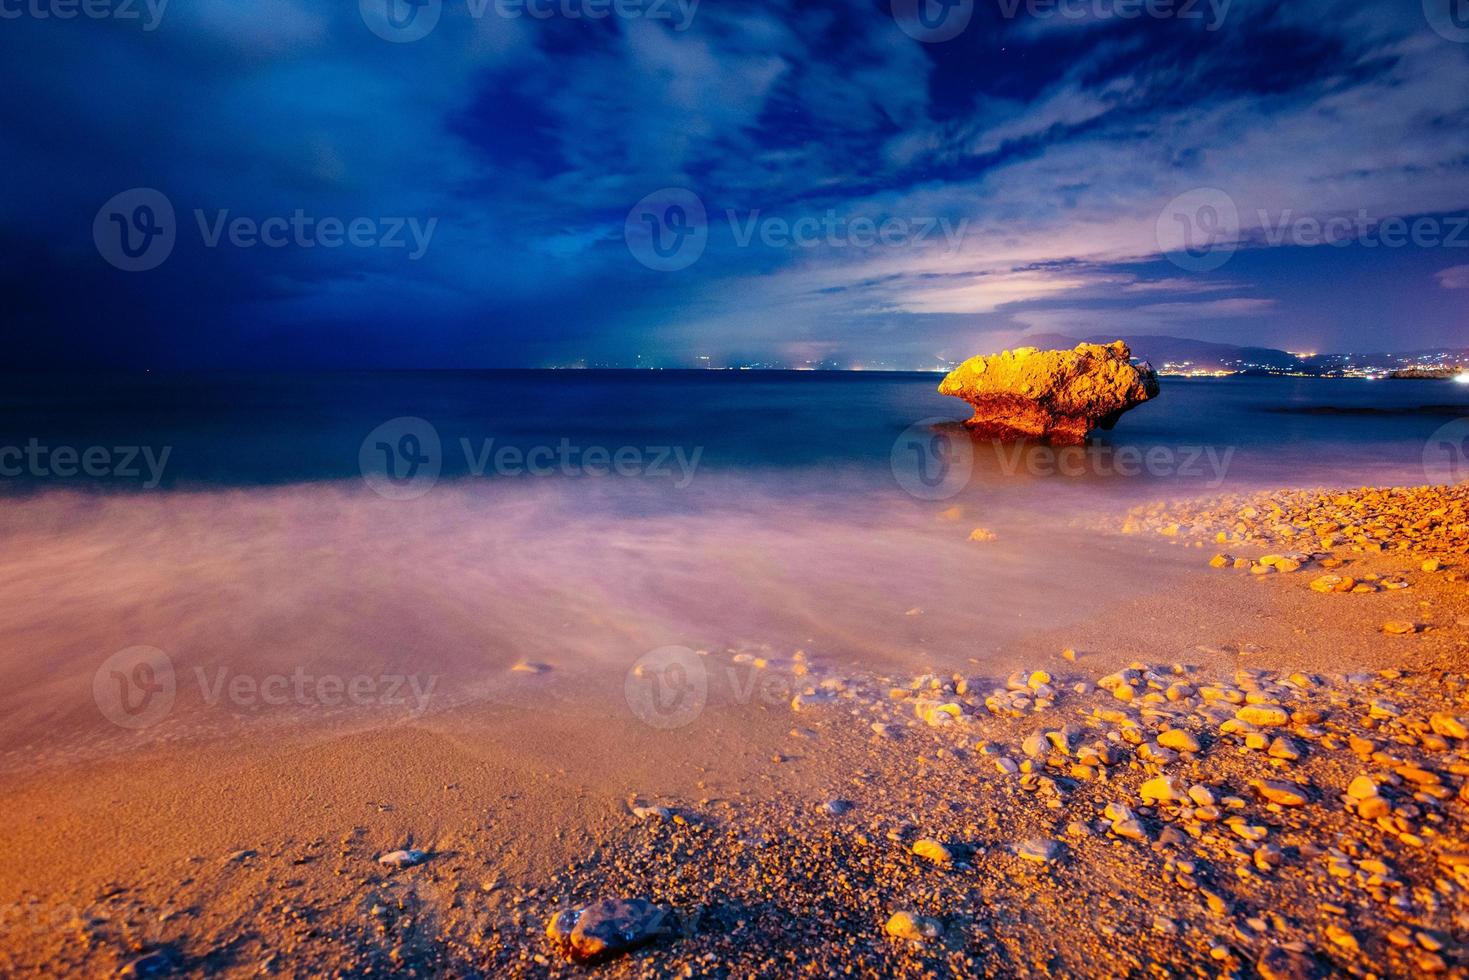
x=508, y=541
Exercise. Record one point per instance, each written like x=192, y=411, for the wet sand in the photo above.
x=247, y=839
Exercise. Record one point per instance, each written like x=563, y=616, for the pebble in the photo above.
x=1449, y=726
x=403, y=859
x=913, y=927
x=1278, y=963
x=1177, y=738
x=1263, y=715
x=1163, y=789
x=1284, y=794
x=933, y=851
x=159, y=963
x=1041, y=851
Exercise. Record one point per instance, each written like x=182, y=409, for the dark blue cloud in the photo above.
x=1054, y=145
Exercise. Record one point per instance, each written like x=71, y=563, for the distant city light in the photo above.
x=1463, y=379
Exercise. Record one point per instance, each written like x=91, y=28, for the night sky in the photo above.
x=554, y=168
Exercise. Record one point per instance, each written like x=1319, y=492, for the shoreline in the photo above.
x=261, y=852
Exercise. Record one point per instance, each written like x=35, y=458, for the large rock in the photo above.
x=1058, y=396
x=607, y=928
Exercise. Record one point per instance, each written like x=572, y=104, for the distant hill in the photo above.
x=1181, y=353
x=1177, y=355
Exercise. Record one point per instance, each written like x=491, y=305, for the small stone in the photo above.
x=837, y=807
x=1177, y=738
x=912, y=927
x=528, y=667
x=1284, y=794
x=933, y=851
x=403, y=859
x=1201, y=795
x=159, y=963
x=1362, y=788
x=1041, y=851
x=1284, y=748
x=1163, y=789
x=652, y=812
x=1398, y=627
x=1278, y=963
x=1263, y=715
x=1341, y=937
x=1447, y=725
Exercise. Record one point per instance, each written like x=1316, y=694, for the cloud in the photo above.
x=1455, y=277
x=529, y=140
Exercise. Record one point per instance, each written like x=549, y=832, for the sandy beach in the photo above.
x=775, y=823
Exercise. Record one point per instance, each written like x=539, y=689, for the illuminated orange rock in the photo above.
x=1057, y=396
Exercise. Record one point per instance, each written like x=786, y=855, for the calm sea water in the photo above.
x=331, y=524
x=243, y=430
